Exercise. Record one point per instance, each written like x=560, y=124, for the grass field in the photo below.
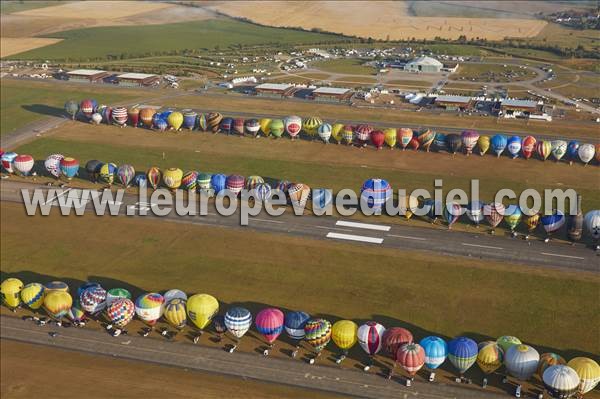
x=350, y=66
x=139, y=40
x=493, y=72
x=12, y=6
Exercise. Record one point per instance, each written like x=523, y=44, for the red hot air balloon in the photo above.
x=414, y=144
x=543, y=149
x=377, y=138
x=133, y=115
x=235, y=183
x=269, y=323
x=411, y=358
x=395, y=337
x=238, y=126
x=87, y=108
x=528, y=146
x=362, y=132
x=469, y=139
x=494, y=213
x=119, y=116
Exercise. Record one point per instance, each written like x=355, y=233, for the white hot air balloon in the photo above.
x=521, y=361
x=52, y=164
x=586, y=152
x=559, y=149
x=560, y=381
x=591, y=223
x=96, y=118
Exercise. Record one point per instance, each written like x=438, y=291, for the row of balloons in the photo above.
x=361, y=134
x=561, y=379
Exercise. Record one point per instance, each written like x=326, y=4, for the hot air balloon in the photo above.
x=425, y=138
x=76, y=314
x=528, y=146
x=408, y=204
x=321, y=199
x=263, y=192
x=265, y=126
x=154, y=176
x=572, y=151
x=547, y=360
x=174, y=294
x=293, y=125
x=218, y=182
x=125, y=173
x=310, y=125
x=553, y=222
x=203, y=182
x=106, y=115
x=494, y=213
x=507, y=341
x=93, y=299
x=71, y=108
x=69, y=167
x=294, y=327
x=377, y=138
x=474, y=212
x=588, y=371
x=188, y=181
x=414, y=144
x=469, y=140
x=452, y=212
x=559, y=149
x=490, y=357
x=375, y=193
x=92, y=167
x=404, y=135
x=87, y=108
x=390, y=137
x=434, y=209
x=513, y=144
x=58, y=286
x=175, y=120
x=32, y=295
x=57, y=304
x=512, y=217
x=336, y=132
x=201, y=308
x=597, y=152
x=23, y=164
x=454, y=143
x=531, y=222
x=269, y=323
x=575, y=223
x=324, y=132
x=253, y=181
x=348, y=134
x=133, y=115
x=146, y=115
x=172, y=178
x=252, y=126
x=10, y=289
x=120, y=312
x=175, y=313
x=149, y=307
x=498, y=143
x=317, y=332
x=202, y=122
x=298, y=194
x=394, y=338
x=7, y=161
x=238, y=126
x=439, y=142
x=344, y=335
x=214, y=121
x=107, y=172
x=370, y=338
x=227, y=125
x=560, y=381
x=521, y=361
x=411, y=358
x=462, y=353
x=116, y=293
x=277, y=127
x=238, y=321
x=119, y=116
x=591, y=222
x=161, y=124
x=483, y=144
x=436, y=351
x=189, y=119
x=543, y=149
x=235, y=183
x=586, y=153
x=96, y=118
x=362, y=133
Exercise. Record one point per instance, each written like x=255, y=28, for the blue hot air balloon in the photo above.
x=218, y=182
x=263, y=191
x=452, y=212
x=140, y=180
x=498, y=144
x=439, y=142
x=436, y=351
x=189, y=119
x=514, y=146
x=552, y=223
x=238, y=321
x=294, y=323
x=573, y=151
x=226, y=125
x=462, y=353
x=321, y=198
x=375, y=192
x=433, y=208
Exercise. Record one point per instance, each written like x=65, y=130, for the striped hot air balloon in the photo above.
x=146, y=116
x=189, y=180
x=436, y=351
x=202, y=122
x=294, y=324
x=69, y=167
x=23, y=164
x=252, y=126
x=133, y=115
x=375, y=192
x=370, y=339
x=404, y=135
x=269, y=323
x=362, y=133
x=238, y=126
x=154, y=176
x=588, y=371
x=175, y=313
x=462, y=353
x=498, y=144
x=324, y=131
x=276, y=128
x=528, y=146
x=317, y=333
x=253, y=181
x=543, y=149
x=425, y=138
x=203, y=181
x=348, y=134
x=119, y=116
x=411, y=358
x=238, y=321
x=150, y=307
x=377, y=138
x=293, y=126
x=87, y=108
x=394, y=338
x=235, y=183
x=494, y=213
x=336, y=132
x=189, y=119
x=214, y=121
x=469, y=140
x=263, y=192
x=125, y=174
x=310, y=125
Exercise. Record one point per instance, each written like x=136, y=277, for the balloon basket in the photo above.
x=295, y=353
x=311, y=360
x=232, y=349
x=266, y=353
x=408, y=382
x=431, y=377
x=367, y=368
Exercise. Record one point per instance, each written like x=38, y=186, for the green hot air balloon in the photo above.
x=71, y=108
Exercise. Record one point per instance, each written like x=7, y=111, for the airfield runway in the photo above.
x=297, y=373
x=438, y=240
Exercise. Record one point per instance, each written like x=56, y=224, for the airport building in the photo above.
x=275, y=90
x=424, y=64
x=453, y=103
x=331, y=94
x=137, y=79
x=518, y=107
x=87, y=75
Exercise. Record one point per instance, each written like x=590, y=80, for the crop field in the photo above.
x=12, y=6
x=16, y=45
x=493, y=72
x=349, y=66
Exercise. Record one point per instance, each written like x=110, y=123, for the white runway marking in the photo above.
x=56, y=196
x=562, y=256
x=332, y=228
x=480, y=246
x=267, y=220
x=351, y=237
x=362, y=225
x=408, y=237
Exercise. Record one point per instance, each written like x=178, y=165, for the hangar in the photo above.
x=424, y=64
x=137, y=79
x=87, y=75
x=275, y=89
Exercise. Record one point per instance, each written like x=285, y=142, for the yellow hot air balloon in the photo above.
x=175, y=313
x=172, y=178
x=201, y=308
x=265, y=126
x=57, y=303
x=409, y=202
x=10, y=290
x=484, y=144
x=344, y=334
x=175, y=120
x=32, y=295
x=390, y=137
x=336, y=132
x=489, y=358
x=588, y=371
x=310, y=125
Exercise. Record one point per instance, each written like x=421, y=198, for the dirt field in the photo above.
x=379, y=20
x=12, y=45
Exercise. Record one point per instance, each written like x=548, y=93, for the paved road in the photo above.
x=30, y=131
x=245, y=365
x=400, y=237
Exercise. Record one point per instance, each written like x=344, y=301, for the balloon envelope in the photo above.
x=588, y=371
x=120, y=312
x=344, y=334
x=294, y=324
x=269, y=322
x=411, y=357
x=317, y=332
x=560, y=381
x=436, y=351
x=521, y=361
x=32, y=295
x=462, y=353
x=201, y=308
x=10, y=290
x=57, y=303
x=238, y=321
x=370, y=337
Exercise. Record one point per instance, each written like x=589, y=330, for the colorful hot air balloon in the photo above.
x=175, y=120
x=269, y=323
x=575, y=223
x=10, y=290
x=454, y=143
x=532, y=222
x=293, y=125
x=154, y=176
x=370, y=338
x=462, y=353
x=146, y=115
x=348, y=134
x=133, y=116
x=439, y=142
x=32, y=295
x=93, y=299
x=425, y=138
x=507, y=341
x=71, y=108
x=263, y=192
x=202, y=122
x=588, y=371
x=553, y=222
x=512, y=216
x=253, y=181
x=214, y=121
x=189, y=119
x=294, y=327
x=521, y=361
x=390, y=137
x=7, y=161
x=375, y=193
x=238, y=126
x=252, y=126
x=175, y=313
x=469, y=140
x=404, y=136
x=125, y=173
x=87, y=108
x=543, y=149
x=436, y=351
x=69, y=167
x=201, y=308
x=336, y=132
x=490, y=357
x=310, y=125
x=317, y=333
x=513, y=145
x=411, y=358
x=175, y=294
x=572, y=151
x=172, y=178
x=203, y=182
x=298, y=194
x=394, y=338
x=474, y=212
x=116, y=293
x=23, y=164
x=324, y=132
x=238, y=321
x=344, y=335
x=560, y=381
x=226, y=125
x=188, y=181
x=494, y=213
x=528, y=146
x=119, y=116
x=362, y=133
x=57, y=304
x=498, y=144
x=235, y=183
x=452, y=212
x=586, y=153
x=276, y=128
x=483, y=144
x=120, y=312
x=559, y=149
x=161, y=124
x=107, y=172
x=265, y=126
x=377, y=138
x=76, y=314
x=149, y=307
x=547, y=360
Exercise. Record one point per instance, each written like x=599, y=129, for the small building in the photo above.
x=453, y=103
x=424, y=64
x=331, y=94
x=87, y=75
x=275, y=89
x=137, y=79
x=511, y=108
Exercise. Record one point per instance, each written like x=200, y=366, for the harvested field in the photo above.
x=11, y=45
x=107, y=10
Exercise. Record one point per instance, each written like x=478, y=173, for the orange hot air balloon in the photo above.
x=528, y=146
x=146, y=116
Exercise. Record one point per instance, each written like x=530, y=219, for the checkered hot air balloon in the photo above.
x=23, y=164
x=404, y=135
x=238, y=126
x=298, y=194
x=269, y=323
x=120, y=312
x=149, y=307
x=324, y=132
x=238, y=321
x=263, y=192
x=69, y=167
x=235, y=183
x=125, y=174
x=119, y=116
x=528, y=146
x=147, y=116
x=154, y=176
x=133, y=116
x=189, y=119
x=362, y=133
x=93, y=299
x=253, y=181
x=411, y=358
x=348, y=134
x=375, y=192
x=189, y=180
x=462, y=353
x=469, y=140
x=252, y=126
